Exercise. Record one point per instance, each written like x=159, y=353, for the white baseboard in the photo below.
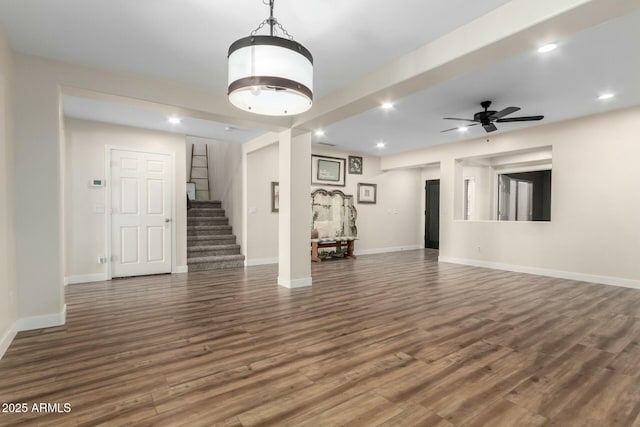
x=85, y=278
x=6, y=340
x=265, y=261
x=44, y=321
x=295, y=283
x=260, y=261
x=181, y=269
x=604, y=280
x=385, y=250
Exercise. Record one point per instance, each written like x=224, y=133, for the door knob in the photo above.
x=167, y=220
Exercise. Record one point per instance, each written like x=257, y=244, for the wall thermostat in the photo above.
x=96, y=183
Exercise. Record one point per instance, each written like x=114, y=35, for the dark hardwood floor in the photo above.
x=384, y=340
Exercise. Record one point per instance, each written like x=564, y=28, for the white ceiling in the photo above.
x=188, y=41
x=109, y=112
x=561, y=84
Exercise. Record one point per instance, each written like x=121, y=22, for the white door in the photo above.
x=141, y=213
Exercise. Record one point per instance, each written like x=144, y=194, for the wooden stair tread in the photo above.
x=214, y=258
x=212, y=247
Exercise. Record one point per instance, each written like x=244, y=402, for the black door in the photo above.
x=432, y=214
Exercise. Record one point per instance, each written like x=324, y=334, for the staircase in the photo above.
x=210, y=242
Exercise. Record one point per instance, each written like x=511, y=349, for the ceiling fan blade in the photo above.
x=520, y=119
x=504, y=112
x=454, y=118
x=490, y=127
x=456, y=128
x=447, y=130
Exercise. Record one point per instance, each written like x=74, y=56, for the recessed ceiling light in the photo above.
x=463, y=128
x=547, y=48
x=174, y=120
x=606, y=96
x=319, y=132
x=387, y=106
x=380, y=145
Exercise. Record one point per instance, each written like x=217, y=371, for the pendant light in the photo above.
x=269, y=74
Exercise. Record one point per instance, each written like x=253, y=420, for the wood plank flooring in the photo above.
x=384, y=340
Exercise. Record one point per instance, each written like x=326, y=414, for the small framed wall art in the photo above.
x=367, y=193
x=275, y=197
x=191, y=190
x=355, y=165
x=327, y=170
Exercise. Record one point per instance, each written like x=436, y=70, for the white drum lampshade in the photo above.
x=270, y=75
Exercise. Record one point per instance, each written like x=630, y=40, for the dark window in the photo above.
x=524, y=196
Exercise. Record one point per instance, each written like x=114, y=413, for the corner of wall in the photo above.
x=42, y=321
x=6, y=339
x=8, y=290
x=233, y=190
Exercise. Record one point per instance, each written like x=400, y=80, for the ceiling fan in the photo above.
x=487, y=117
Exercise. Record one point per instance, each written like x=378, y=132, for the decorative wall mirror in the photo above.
x=334, y=214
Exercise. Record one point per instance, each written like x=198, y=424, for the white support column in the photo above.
x=38, y=197
x=294, y=261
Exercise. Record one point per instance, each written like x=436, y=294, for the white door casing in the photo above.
x=141, y=208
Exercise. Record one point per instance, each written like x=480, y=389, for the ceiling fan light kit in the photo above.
x=269, y=74
x=487, y=118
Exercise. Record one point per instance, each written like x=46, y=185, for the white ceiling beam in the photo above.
x=147, y=92
x=515, y=27
x=170, y=109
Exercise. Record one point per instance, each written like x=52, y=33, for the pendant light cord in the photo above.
x=272, y=19
x=273, y=23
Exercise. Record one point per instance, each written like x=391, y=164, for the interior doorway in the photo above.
x=432, y=214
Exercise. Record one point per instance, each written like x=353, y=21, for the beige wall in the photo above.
x=38, y=195
x=219, y=169
x=232, y=188
x=594, y=231
x=85, y=158
x=8, y=313
x=38, y=84
x=262, y=224
x=294, y=265
x=393, y=223
x=481, y=209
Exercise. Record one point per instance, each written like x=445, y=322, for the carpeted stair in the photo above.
x=210, y=242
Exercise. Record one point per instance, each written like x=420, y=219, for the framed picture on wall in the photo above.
x=275, y=197
x=367, y=193
x=355, y=165
x=327, y=170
